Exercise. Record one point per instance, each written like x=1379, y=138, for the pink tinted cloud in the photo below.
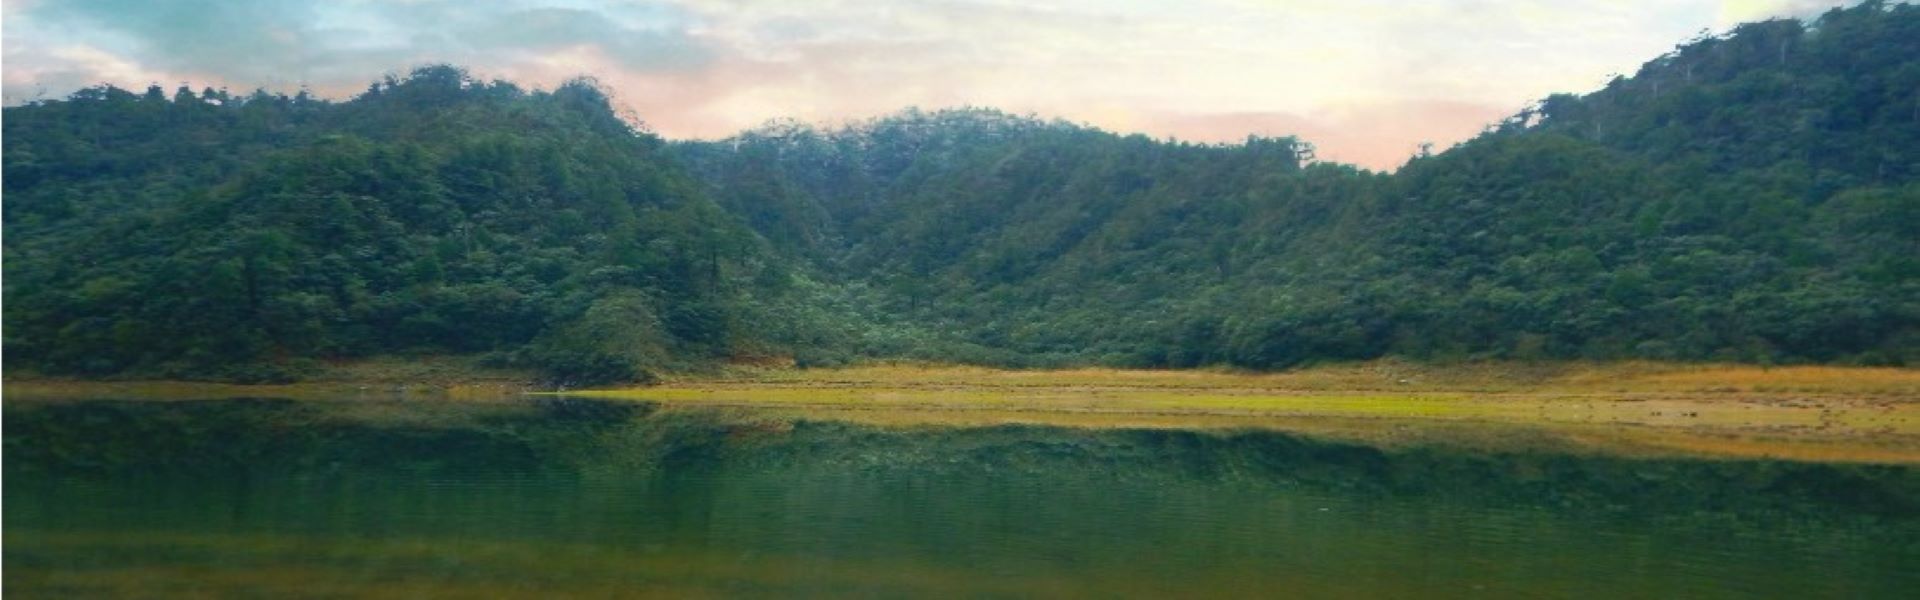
x=1366, y=81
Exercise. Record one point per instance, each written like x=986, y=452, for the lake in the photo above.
x=539, y=497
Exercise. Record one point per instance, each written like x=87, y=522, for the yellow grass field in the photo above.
x=1813, y=413
x=1810, y=413
x=1381, y=376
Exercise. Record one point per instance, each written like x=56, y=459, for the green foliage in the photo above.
x=1753, y=196
x=434, y=213
x=1732, y=201
x=617, y=339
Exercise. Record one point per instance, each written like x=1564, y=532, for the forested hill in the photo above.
x=1753, y=197
x=203, y=234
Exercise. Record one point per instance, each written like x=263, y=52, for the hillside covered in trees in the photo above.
x=1750, y=197
x=206, y=234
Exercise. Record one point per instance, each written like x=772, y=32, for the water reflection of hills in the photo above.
x=589, y=438
x=579, y=497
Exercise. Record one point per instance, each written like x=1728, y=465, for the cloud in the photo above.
x=546, y=30
x=239, y=39
x=1734, y=12
x=1364, y=79
x=50, y=72
x=341, y=46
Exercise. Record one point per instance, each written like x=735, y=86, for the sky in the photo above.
x=1366, y=81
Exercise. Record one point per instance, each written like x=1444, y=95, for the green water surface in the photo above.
x=546, y=498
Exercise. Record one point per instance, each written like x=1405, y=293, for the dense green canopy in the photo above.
x=1754, y=196
x=201, y=233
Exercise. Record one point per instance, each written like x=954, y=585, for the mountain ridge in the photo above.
x=1734, y=200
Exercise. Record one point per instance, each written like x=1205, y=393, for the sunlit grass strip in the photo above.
x=1055, y=399
x=1384, y=375
x=1853, y=414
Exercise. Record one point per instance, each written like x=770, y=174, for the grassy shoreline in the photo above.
x=1847, y=414
x=1806, y=413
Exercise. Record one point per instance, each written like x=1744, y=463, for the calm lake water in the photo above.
x=265, y=498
